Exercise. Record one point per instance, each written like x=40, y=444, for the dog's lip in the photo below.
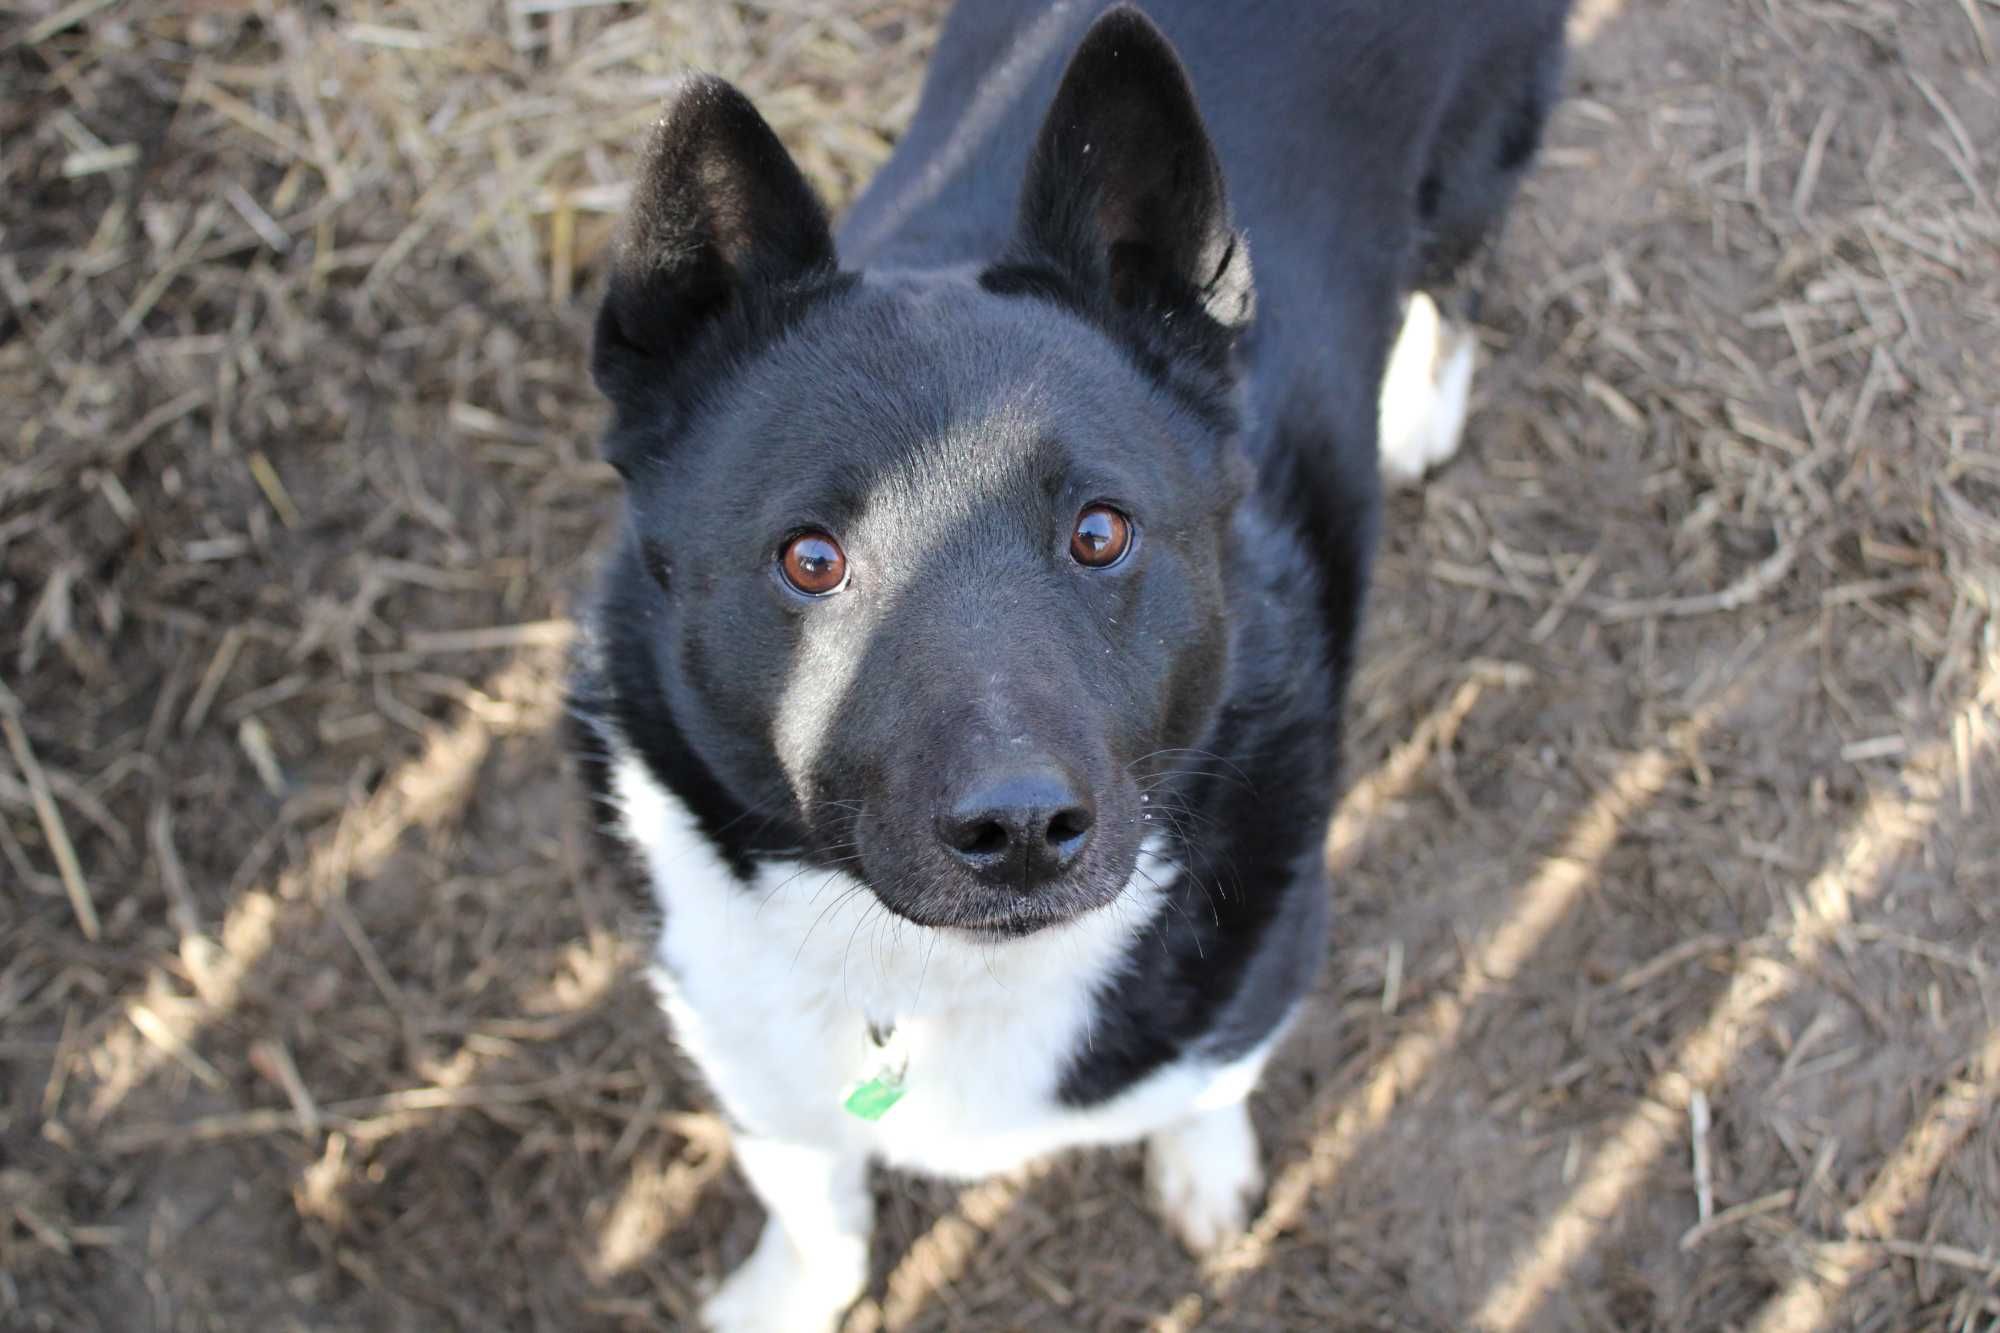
x=1028, y=916
x=1016, y=926
x=1011, y=929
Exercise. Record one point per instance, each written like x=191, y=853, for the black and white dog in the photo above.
x=969, y=666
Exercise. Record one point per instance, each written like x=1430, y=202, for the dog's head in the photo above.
x=935, y=567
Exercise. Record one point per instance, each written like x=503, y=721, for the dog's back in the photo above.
x=1339, y=124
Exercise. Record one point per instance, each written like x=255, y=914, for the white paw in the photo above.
x=1426, y=392
x=778, y=1290
x=1204, y=1177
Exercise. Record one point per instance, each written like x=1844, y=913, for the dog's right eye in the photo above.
x=812, y=563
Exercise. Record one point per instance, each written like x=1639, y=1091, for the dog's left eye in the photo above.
x=1101, y=537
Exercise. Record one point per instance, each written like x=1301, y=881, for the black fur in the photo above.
x=1045, y=300
x=722, y=245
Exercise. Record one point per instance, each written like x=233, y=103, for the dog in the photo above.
x=967, y=670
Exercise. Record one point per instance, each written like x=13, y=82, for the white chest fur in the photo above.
x=772, y=987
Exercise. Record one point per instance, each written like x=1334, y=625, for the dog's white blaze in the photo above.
x=819, y=681
x=1426, y=392
x=771, y=988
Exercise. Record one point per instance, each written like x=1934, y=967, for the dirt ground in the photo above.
x=1664, y=994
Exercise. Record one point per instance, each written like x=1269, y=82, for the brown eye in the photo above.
x=1102, y=537
x=813, y=564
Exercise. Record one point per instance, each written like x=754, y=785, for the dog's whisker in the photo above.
x=831, y=908
x=1235, y=770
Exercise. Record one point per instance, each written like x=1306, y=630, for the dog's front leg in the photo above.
x=812, y=1260
x=1204, y=1176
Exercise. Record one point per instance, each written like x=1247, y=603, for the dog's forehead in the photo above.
x=909, y=363
x=908, y=406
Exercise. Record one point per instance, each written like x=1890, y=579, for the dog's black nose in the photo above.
x=1018, y=829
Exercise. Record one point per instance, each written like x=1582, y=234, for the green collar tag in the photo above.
x=872, y=1100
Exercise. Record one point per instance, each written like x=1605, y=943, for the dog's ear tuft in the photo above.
x=1124, y=195
x=718, y=211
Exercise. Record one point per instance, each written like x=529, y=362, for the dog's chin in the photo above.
x=980, y=912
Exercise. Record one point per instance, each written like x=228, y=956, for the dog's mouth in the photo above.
x=999, y=932
x=1018, y=925
x=980, y=914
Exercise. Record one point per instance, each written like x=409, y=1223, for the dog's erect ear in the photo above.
x=1124, y=195
x=719, y=210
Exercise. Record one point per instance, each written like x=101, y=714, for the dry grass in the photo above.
x=1665, y=995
